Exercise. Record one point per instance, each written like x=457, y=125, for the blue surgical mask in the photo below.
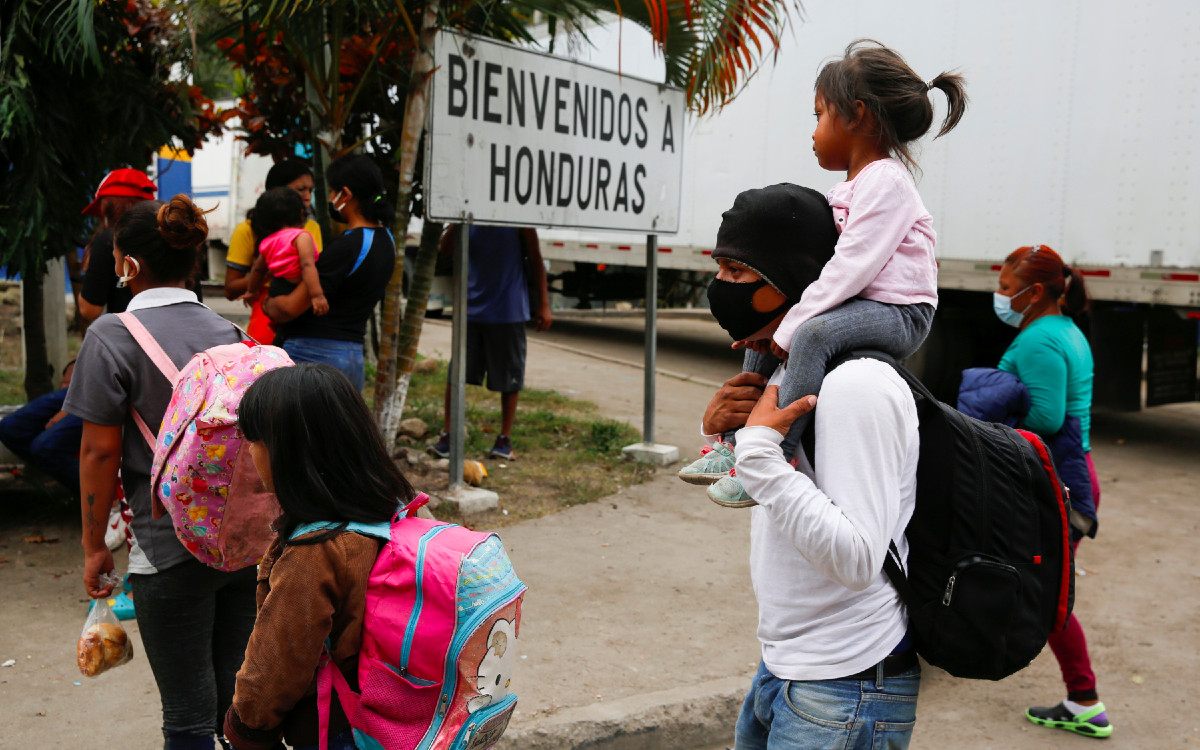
x=1002, y=304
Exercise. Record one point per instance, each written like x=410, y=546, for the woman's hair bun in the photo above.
x=182, y=224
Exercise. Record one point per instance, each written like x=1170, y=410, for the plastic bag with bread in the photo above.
x=103, y=644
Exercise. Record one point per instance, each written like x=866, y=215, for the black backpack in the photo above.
x=990, y=568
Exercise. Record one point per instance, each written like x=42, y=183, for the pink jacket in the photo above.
x=885, y=252
x=280, y=252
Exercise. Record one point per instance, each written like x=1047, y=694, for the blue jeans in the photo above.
x=347, y=356
x=55, y=450
x=822, y=714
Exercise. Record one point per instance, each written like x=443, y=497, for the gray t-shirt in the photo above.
x=112, y=374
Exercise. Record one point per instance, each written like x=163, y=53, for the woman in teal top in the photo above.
x=1054, y=361
x=1052, y=358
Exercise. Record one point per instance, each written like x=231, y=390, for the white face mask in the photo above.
x=1002, y=304
x=336, y=206
x=124, y=280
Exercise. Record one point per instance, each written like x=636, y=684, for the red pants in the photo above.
x=261, y=329
x=1069, y=645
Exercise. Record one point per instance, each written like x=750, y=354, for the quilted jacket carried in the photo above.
x=993, y=395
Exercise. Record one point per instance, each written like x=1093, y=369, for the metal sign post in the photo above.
x=651, y=337
x=458, y=358
x=649, y=451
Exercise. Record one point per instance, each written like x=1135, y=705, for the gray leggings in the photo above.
x=898, y=330
x=195, y=622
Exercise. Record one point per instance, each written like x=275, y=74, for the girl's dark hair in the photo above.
x=895, y=96
x=163, y=236
x=276, y=209
x=328, y=461
x=365, y=181
x=286, y=172
x=1038, y=264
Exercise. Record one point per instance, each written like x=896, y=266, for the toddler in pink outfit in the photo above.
x=879, y=290
x=285, y=249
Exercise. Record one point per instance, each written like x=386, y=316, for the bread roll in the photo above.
x=102, y=647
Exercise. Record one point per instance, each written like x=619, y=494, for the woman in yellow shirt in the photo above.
x=291, y=173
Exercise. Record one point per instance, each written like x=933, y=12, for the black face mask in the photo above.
x=335, y=214
x=732, y=304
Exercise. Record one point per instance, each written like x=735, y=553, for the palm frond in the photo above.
x=713, y=47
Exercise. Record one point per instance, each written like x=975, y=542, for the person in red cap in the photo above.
x=120, y=190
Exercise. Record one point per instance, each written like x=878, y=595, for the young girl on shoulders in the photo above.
x=314, y=443
x=286, y=249
x=880, y=289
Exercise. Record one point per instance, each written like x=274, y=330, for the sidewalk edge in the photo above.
x=691, y=716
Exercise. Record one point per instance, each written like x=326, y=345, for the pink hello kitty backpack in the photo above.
x=439, y=639
x=202, y=473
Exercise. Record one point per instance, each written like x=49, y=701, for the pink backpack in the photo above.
x=439, y=642
x=202, y=474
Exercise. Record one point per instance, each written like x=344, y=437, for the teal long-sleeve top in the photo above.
x=1052, y=358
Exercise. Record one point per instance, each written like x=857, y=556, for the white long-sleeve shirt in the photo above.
x=818, y=539
x=885, y=252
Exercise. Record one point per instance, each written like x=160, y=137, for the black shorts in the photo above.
x=497, y=351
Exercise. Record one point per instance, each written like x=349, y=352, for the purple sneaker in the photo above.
x=441, y=448
x=503, y=449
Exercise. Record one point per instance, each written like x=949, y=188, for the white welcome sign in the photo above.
x=522, y=138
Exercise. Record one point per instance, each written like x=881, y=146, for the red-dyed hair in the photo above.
x=1038, y=264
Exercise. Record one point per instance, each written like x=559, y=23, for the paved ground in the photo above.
x=639, y=623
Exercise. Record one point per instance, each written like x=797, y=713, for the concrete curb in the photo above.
x=680, y=718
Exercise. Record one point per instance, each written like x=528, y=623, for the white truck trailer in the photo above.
x=1081, y=134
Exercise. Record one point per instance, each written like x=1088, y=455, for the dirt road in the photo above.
x=1140, y=602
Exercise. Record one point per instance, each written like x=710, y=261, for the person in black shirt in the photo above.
x=120, y=190
x=354, y=271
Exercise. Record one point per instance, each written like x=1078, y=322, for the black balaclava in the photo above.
x=783, y=232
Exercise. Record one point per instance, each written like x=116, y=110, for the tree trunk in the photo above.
x=318, y=60
x=38, y=381
x=389, y=400
x=414, y=312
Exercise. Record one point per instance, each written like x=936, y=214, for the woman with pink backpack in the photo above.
x=194, y=620
x=375, y=628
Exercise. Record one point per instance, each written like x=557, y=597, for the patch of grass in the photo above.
x=568, y=453
x=12, y=386
x=12, y=374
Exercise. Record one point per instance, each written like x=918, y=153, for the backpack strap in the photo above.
x=330, y=680
x=417, y=503
x=377, y=530
x=150, y=346
x=155, y=352
x=919, y=617
x=368, y=240
x=891, y=563
x=919, y=391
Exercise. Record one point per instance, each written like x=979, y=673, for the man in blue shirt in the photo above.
x=498, y=295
